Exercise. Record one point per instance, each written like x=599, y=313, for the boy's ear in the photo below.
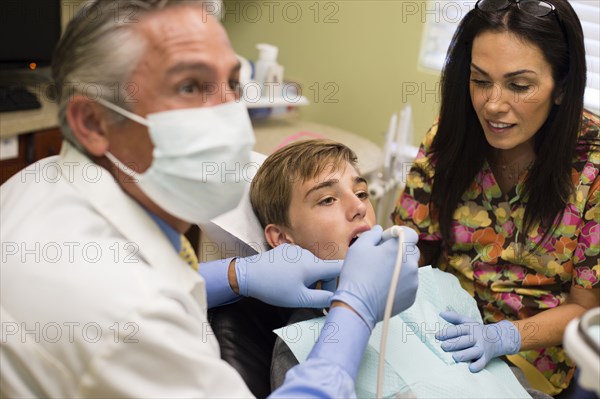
x=276, y=235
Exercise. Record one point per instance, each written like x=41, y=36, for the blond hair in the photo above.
x=271, y=189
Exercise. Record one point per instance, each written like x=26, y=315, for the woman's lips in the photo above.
x=499, y=127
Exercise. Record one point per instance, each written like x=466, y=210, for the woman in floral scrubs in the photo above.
x=505, y=192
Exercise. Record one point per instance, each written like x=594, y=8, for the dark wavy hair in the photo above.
x=459, y=148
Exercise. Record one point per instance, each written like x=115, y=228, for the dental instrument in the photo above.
x=394, y=231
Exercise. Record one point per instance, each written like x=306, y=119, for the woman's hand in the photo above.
x=472, y=341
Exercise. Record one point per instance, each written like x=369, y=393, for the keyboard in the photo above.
x=17, y=98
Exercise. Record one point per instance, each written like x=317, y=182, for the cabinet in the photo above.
x=36, y=130
x=32, y=147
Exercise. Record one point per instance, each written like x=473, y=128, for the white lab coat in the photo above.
x=95, y=302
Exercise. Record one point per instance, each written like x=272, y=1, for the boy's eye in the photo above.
x=363, y=195
x=327, y=201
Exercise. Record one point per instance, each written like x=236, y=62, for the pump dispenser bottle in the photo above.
x=267, y=61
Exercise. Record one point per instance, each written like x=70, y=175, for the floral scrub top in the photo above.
x=507, y=280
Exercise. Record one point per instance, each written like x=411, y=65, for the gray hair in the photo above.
x=99, y=50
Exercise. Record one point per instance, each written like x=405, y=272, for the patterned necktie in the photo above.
x=187, y=253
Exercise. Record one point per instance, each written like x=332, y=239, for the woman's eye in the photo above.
x=481, y=83
x=519, y=88
x=327, y=201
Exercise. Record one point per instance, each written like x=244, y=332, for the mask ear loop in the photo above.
x=122, y=167
x=124, y=112
x=136, y=118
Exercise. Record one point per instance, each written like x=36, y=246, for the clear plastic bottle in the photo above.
x=267, y=58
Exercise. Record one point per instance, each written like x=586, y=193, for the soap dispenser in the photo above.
x=267, y=59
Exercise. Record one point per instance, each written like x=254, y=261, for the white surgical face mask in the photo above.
x=200, y=155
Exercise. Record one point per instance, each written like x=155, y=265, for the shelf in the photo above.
x=266, y=102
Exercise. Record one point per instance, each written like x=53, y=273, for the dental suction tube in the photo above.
x=394, y=231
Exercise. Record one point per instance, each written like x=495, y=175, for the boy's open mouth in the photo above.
x=357, y=233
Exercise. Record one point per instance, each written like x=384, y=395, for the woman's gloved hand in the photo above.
x=367, y=273
x=281, y=277
x=472, y=341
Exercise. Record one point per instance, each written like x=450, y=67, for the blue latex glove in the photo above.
x=281, y=277
x=367, y=272
x=472, y=341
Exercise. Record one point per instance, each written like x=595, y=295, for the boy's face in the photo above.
x=326, y=213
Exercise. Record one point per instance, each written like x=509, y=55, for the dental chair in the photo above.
x=244, y=329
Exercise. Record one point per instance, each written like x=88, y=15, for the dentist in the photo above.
x=95, y=298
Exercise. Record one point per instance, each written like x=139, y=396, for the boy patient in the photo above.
x=310, y=193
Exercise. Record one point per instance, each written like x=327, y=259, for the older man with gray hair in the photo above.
x=96, y=299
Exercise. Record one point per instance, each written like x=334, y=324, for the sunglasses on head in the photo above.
x=536, y=8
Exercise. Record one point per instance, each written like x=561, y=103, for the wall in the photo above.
x=356, y=60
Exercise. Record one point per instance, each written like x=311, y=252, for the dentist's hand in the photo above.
x=367, y=273
x=281, y=277
x=472, y=341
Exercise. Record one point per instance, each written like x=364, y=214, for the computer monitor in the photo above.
x=29, y=31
